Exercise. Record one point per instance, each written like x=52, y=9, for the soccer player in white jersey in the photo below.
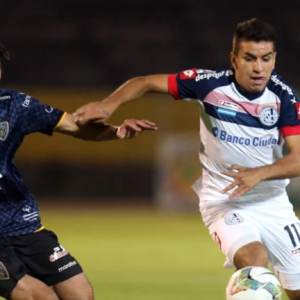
x=247, y=113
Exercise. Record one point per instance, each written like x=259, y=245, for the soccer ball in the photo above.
x=253, y=283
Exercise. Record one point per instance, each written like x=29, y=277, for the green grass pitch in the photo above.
x=142, y=254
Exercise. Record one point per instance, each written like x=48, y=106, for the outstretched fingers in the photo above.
x=132, y=127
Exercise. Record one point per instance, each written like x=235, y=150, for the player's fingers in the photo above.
x=128, y=131
x=149, y=123
x=144, y=125
x=230, y=174
x=81, y=121
x=235, y=193
x=229, y=187
x=148, y=127
x=121, y=132
x=88, y=117
x=76, y=113
x=80, y=111
x=133, y=126
x=131, y=133
x=240, y=192
x=236, y=167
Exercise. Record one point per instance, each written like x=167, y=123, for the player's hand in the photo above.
x=94, y=112
x=245, y=179
x=133, y=127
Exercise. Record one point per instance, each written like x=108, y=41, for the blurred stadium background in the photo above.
x=125, y=209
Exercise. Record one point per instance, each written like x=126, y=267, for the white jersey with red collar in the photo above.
x=238, y=128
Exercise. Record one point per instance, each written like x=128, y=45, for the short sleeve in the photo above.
x=182, y=85
x=36, y=116
x=196, y=83
x=289, y=119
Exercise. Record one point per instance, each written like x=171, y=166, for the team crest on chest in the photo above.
x=4, y=129
x=3, y=272
x=269, y=116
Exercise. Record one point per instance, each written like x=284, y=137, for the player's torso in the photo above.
x=237, y=127
x=18, y=210
x=238, y=130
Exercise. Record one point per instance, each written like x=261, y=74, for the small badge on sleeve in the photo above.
x=4, y=129
x=188, y=74
x=298, y=109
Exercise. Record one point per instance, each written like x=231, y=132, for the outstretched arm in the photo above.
x=129, y=91
x=103, y=132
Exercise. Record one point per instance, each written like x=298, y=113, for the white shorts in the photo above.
x=272, y=222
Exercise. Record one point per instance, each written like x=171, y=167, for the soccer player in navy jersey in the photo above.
x=31, y=258
x=247, y=112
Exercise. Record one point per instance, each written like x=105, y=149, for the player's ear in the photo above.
x=233, y=60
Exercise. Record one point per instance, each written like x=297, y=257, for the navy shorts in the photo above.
x=36, y=254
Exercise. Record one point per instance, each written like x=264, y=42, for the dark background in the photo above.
x=96, y=43
x=68, y=53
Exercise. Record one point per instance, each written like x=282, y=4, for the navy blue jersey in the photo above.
x=19, y=115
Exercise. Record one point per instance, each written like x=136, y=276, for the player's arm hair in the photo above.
x=137, y=87
x=90, y=132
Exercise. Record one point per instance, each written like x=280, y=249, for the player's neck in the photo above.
x=249, y=96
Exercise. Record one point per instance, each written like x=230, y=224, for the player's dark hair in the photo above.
x=253, y=30
x=4, y=53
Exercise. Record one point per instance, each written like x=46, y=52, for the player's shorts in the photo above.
x=271, y=222
x=36, y=254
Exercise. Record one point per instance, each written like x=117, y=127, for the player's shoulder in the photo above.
x=14, y=97
x=203, y=81
x=206, y=74
x=216, y=75
x=213, y=80
x=280, y=87
x=8, y=94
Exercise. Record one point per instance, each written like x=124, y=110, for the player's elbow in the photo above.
x=139, y=84
x=157, y=83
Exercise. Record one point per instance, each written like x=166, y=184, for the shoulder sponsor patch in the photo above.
x=4, y=129
x=188, y=74
x=4, y=275
x=26, y=102
x=5, y=97
x=203, y=71
x=233, y=218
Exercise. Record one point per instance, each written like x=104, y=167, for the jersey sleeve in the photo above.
x=35, y=116
x=183, y=85
x=289, y=119
x=193, y=83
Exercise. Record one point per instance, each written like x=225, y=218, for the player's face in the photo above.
x=253, y=65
